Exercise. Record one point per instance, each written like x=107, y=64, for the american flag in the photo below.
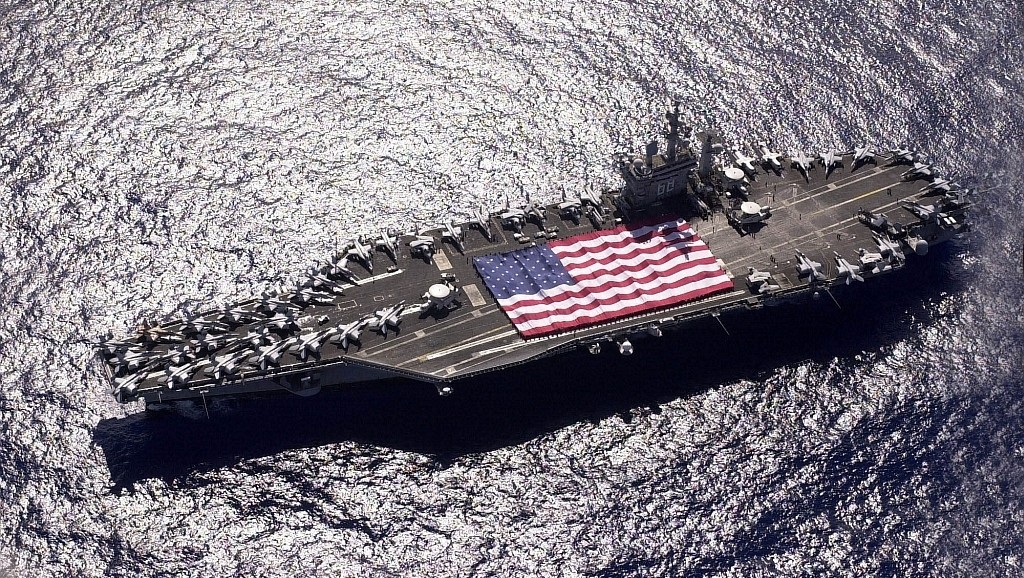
x=601, y=276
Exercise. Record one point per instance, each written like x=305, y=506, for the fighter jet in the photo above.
x=453, y=234
x=311, y=343
x=923, y=212
x=310, y=296
x=317, y=281
x=205, y=342
x=176, y=356
x=132, y=359
x=112, y=346
x=129, y=383
x=877, y=221
x=847, y=269
x=940, y=185
x=422, y=246
x=590, y=197
x=349, y=332
x=808, y=268
x=388, y=317
x=596, y=215
x=192, y=325
x=260, y=335
x=513, y=219
x=177, y=375
x=873, y=262
x=226, y=365
x=771, y=158
x=483, y=222
x=761, y=280
x=802, y=162
x=237, y=315
x=918, y=171
x=861, y=155
x=161, y=335
x=888, y=248
x=281, y=320
x=571, y=210
x=270, y=303
x=338, y=267
x=902, y=156
x=389, y=244
x=744, y=162
x=360, y=252
x=271, y=354
x=535, y=212
x=829, y=160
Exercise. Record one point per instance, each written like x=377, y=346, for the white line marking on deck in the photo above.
x=473, y=343
x=502, y=349
x=369, y=280
x=834, y=186
x=404, y=338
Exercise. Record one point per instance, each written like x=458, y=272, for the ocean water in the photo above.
x=158, y=156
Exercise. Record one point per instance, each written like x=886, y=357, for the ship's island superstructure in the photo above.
x=443, y=304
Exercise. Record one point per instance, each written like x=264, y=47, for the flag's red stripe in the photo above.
x=577, y=291
x=636, y=292
x=681, y=248
x=627, y=312
x=611, y=268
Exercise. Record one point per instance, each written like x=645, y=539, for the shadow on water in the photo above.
x=514, y=406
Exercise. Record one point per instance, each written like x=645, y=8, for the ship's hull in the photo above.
x=729, y=320
x=305, y=383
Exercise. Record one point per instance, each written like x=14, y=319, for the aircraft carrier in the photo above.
x=698, y=229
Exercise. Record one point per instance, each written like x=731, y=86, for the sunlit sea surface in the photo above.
x=164, y=155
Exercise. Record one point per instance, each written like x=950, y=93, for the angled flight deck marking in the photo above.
x=835, y=186
x=463, y=345
x=371, y=280
x=401, y=340
x=480, y=357
x=829, y=208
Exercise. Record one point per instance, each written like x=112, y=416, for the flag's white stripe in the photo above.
x=601, y=299
x=611, y=308
x=604, y=248
x=602, y=287
x=631, y=258
x=623, y=238
x=584, y=297
x=586, y=285
x=613, y=236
